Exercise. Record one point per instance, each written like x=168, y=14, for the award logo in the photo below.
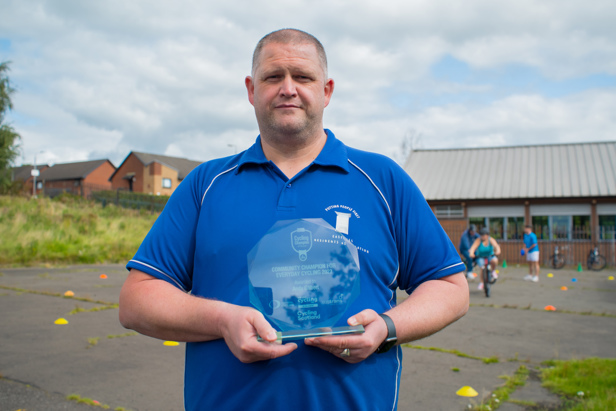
x=301, y=241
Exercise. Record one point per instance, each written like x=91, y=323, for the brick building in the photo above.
x=151, y=173
x=79, y=178
x=566, y=191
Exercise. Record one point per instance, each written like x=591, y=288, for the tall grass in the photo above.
x=68, y=230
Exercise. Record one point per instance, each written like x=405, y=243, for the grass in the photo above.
x=503, y=392
x=128, y=334
x=78, y=309
x=52, y=294
x=89, y=401
x=92, y=341
x=588, y=384
x=529, y=308
x=68, y=230
x=486, y=360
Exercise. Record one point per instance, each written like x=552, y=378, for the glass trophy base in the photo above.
x=284, y=336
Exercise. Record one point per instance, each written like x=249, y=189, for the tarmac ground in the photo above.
x=94, y=357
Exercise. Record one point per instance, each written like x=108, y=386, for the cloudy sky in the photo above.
x=97, y=79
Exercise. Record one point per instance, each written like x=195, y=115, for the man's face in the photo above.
x=526, y=230
x=289, y=90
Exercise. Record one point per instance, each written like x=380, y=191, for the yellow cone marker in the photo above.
x=467, y=391
x=171, y=343
x=103, y=276
x=61, y=321
x=69, y=293
x=611, y=278
x=550, y=275
x=497, y=272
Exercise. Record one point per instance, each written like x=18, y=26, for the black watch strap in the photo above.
x=391, y=339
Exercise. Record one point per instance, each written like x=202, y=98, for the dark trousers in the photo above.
x=467, y=260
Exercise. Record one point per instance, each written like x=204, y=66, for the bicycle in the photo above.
x=596, y=261
x=557, y=261
x=486, y=276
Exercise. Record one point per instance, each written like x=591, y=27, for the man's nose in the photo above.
x=287, y=88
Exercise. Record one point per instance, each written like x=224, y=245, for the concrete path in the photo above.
x=41, y=363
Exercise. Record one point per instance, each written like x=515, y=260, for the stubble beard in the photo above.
x=290, y=132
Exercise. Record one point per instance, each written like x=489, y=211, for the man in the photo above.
x=468, y=238
x=531, y=249
x=296, y=169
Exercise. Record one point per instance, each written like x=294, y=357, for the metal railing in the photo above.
x=574, y=245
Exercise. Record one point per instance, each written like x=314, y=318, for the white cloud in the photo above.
x=104, y=78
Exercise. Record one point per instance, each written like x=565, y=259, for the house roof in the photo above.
x=536, y=171
x=22, y=173
x=71, y=171
x=182, y=165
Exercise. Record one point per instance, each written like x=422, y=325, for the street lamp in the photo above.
x=35, y=173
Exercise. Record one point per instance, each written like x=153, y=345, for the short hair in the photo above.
x=290, y=36
x=484, y=231
x=528, y=226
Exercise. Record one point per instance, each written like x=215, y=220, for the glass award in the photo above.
x=303, y=275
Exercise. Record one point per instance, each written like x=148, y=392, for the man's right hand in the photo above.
x=240, y=327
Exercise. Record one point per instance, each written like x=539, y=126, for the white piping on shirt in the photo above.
x=162, y=272
x=393, y=293
x=214, y=179
x=375, y=186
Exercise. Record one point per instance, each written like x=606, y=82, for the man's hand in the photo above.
x=240, y=327
x=361, y=346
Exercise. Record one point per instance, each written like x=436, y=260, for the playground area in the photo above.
x=55, y=344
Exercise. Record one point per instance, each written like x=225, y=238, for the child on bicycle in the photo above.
x=485, y=246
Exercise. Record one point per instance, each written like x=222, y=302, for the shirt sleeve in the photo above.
x=167, y=252
x=425, y=251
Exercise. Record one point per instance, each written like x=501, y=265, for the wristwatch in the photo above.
x=391, y=339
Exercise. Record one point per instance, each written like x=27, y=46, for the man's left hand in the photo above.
x=360, y=346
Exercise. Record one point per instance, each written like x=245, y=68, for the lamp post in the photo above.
x=35, y=173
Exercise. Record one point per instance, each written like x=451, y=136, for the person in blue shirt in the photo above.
x=531, y=249
x=189, y=279
x=466, y=240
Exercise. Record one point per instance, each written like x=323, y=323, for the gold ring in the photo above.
x=345, y=353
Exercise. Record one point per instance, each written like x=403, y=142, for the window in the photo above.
x=607, y=227
x=166, y=183
x=497, y=227
x=560, y=226
x=479, y=222
x=515, y=228
x=448, y=211
x=581, y=227
x=541, y=227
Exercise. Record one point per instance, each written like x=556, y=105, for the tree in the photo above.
x=9, y=138
x=412, y=139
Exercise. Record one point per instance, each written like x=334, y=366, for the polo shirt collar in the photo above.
x=333, y=154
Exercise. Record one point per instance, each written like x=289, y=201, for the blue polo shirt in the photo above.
x=529, y=240
x=222, y=209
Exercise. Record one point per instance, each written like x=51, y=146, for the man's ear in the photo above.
x=250, y=87
x=329, y=90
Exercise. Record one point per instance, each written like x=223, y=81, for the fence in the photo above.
x=573, y=245
x=127, y=199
